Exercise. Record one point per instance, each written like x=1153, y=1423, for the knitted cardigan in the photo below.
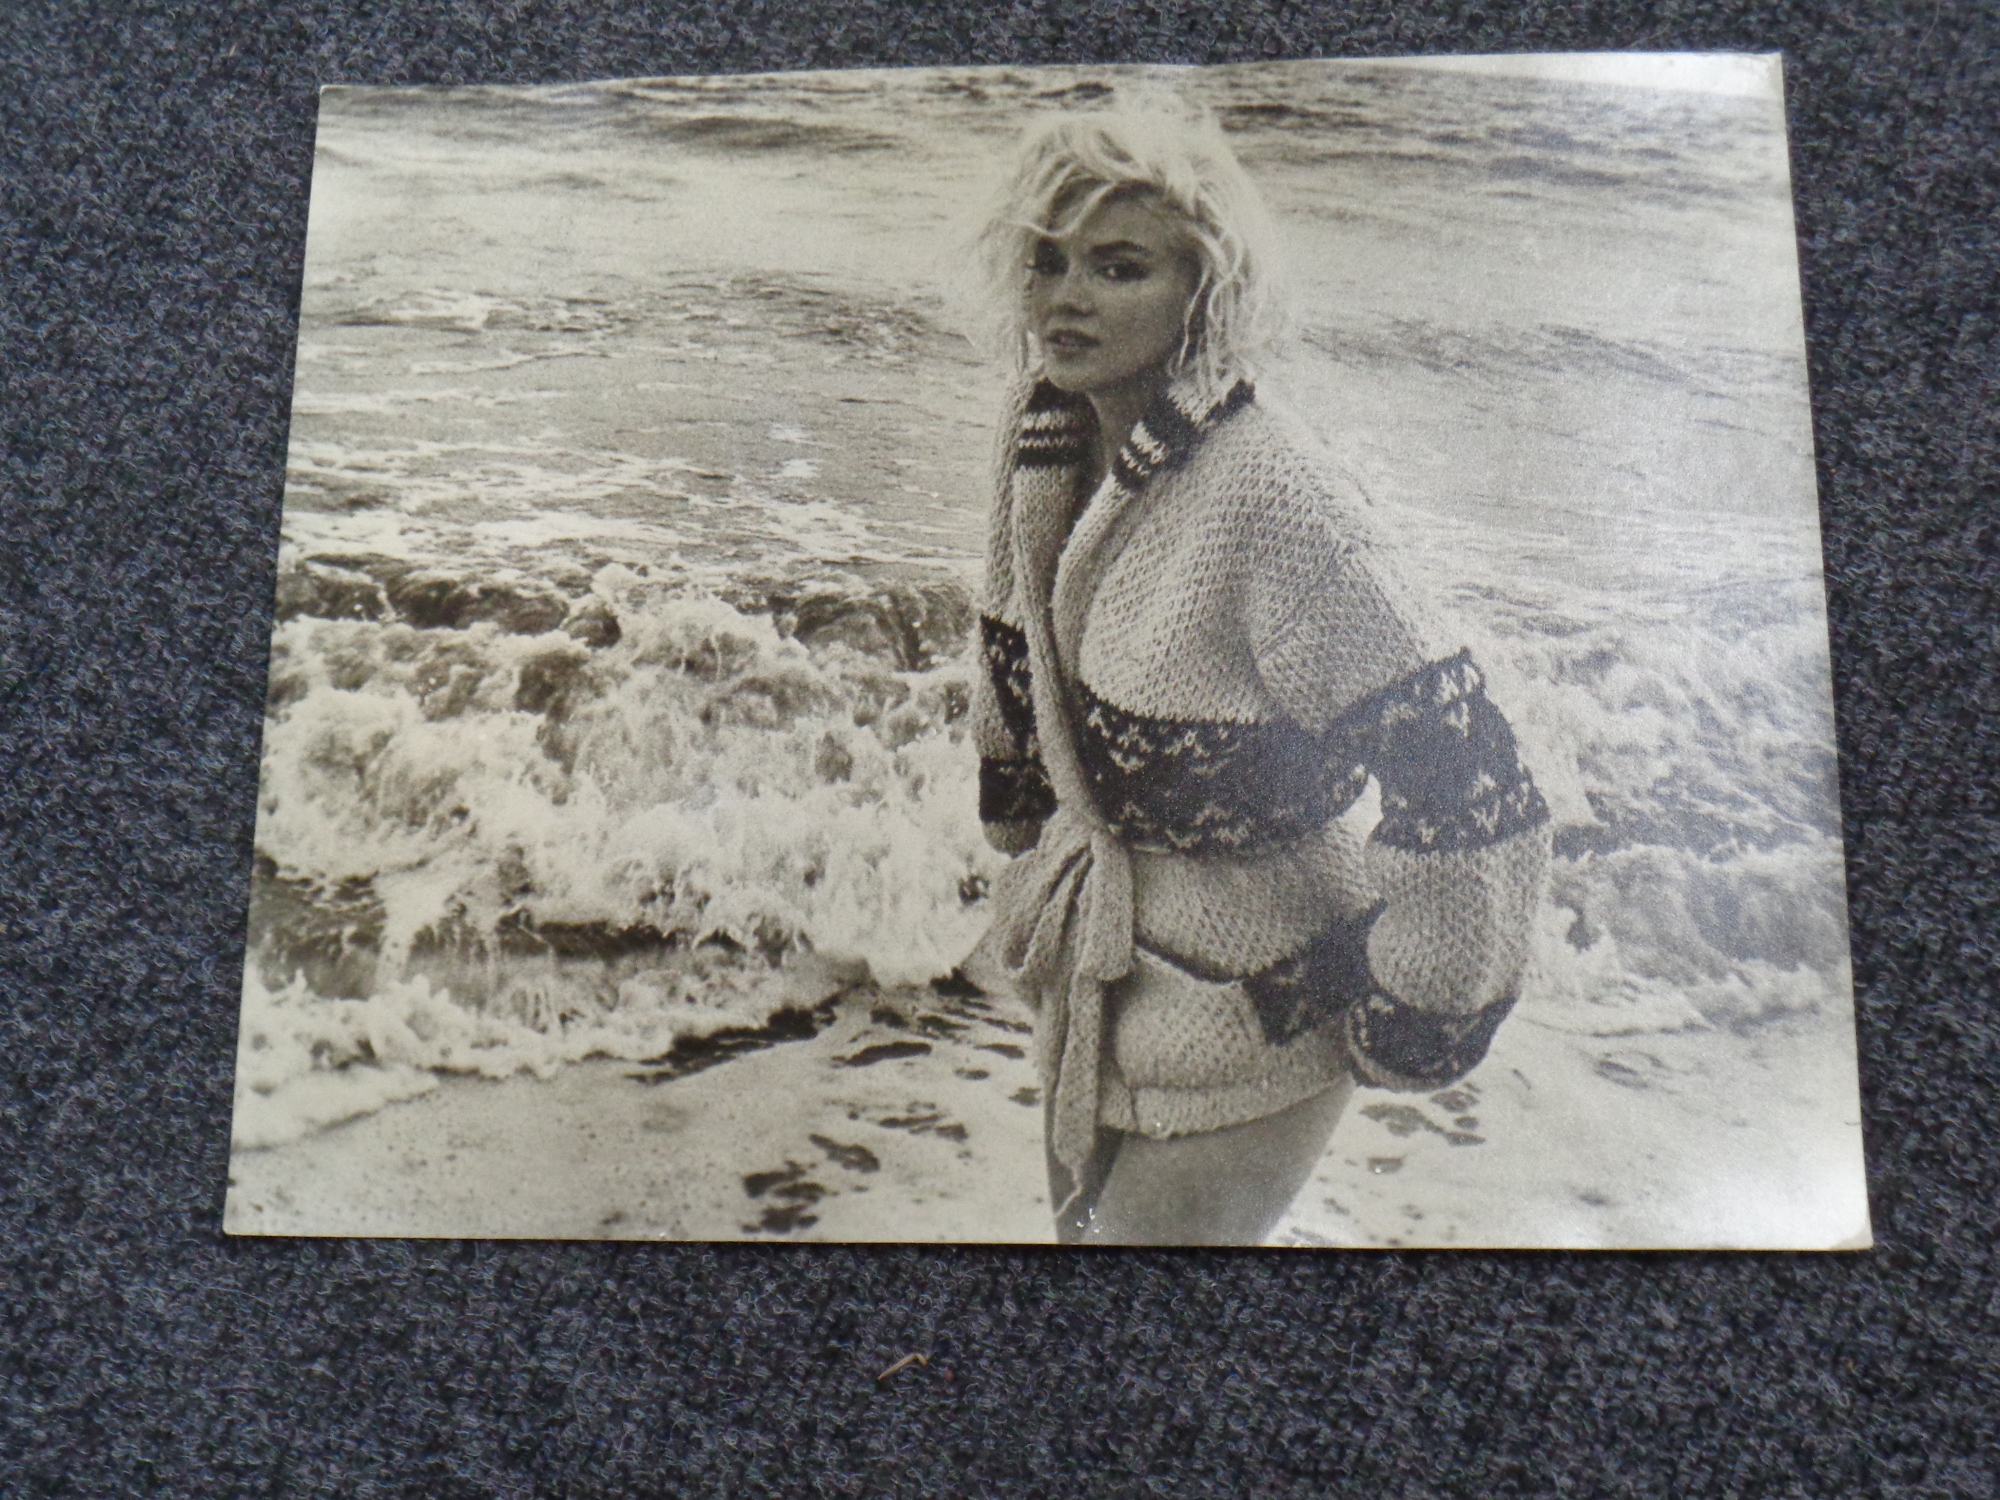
x=1185, y=686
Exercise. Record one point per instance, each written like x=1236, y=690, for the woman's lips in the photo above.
x=1069, y=340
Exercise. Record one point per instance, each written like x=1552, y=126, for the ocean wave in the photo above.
x=507, y=810
x=306, y=1061
x=519, y=830
x=758, y=133
x=465, y=311
x=1710, y=736
x=391, y=402
x=1501, y=355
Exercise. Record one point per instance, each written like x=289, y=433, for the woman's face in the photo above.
x=1108, y=300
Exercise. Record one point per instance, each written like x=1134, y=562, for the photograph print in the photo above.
x=1114, y=655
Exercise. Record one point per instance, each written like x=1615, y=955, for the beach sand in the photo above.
x=910, y=1115
x=1688, y=1139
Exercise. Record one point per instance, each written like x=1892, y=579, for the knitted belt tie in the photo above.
x=1066, y=905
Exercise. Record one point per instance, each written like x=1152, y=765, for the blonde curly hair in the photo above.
x=1174, y=153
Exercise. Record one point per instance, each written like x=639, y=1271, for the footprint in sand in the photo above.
x=924, y=1119
x=1633, y=1069
x=867, y=1057
x=919, y=1117
x=795, y=1193
x=854, y=1158
x=796, y=1196
x=1406, y=1120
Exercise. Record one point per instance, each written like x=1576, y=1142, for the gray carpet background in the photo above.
x=154, y=165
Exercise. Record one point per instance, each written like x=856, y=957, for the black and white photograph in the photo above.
x=1089, y=655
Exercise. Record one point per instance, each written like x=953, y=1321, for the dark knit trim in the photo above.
x=1166, y=435
x=1005, y=652
x=1048, y=396
x=1317, y=984
x=1014, y=791
x=1395, y=1046
x=1014, y=787
x=1056, y=429
x=1398, y=1046
x=1197, y=787
x=1451, y=776
x=1126, y=471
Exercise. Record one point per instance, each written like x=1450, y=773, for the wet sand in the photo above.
x=908, y=1116
x=911, y=1115
x=1685, y=1139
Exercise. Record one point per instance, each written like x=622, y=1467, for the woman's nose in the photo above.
x=1072, y=292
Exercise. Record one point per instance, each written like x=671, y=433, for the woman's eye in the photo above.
x=1046, y=261
x=1124, y=270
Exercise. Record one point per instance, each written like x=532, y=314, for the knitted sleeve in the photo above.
x=1459, y=856
x=1015, y=797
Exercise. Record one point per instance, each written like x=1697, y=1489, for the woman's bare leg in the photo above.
x=1073, y=1222
x=1218, y=1187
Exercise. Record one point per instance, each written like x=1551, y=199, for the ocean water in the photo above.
x=636, y=493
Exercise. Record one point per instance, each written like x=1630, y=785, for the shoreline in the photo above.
x=914, y=1116
x=905, y=1096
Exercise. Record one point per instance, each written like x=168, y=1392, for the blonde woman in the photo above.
x=1193, y=667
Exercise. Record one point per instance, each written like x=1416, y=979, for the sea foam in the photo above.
x=483, y=851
